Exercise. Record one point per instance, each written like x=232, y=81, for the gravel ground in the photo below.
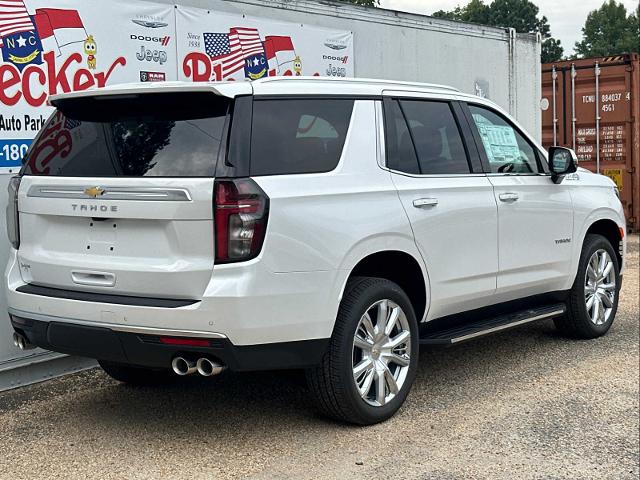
x=524, y=404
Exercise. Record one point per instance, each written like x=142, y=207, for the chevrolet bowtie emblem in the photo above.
x=94, y=192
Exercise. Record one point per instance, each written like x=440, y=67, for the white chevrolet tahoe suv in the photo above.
x=304, y=223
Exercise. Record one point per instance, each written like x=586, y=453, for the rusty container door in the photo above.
x=593, y=106
x=552, y=105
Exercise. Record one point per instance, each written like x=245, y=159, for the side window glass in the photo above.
x=507, y=150
x=437, y=139
x=311, y=126
x=401, y=155
x=290, y=136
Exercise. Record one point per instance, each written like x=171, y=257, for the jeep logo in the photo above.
x=164, y=41
x=158, y=56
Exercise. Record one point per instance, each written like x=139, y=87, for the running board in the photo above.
x=487, y=326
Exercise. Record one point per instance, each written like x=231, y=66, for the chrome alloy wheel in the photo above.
x=381, y=352
x=600, y=287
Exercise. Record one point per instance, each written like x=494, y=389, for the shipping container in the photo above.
x=593, y=106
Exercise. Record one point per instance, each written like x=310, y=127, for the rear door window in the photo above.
x=148, y=135
x=291, y=136
x=424, y=138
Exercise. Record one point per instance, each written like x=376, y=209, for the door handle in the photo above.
x=508, y=197
x=91, y=278
x=425, y=202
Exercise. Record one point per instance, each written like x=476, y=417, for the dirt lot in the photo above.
x=524, y=404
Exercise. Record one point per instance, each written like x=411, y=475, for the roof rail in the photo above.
x=368, y=81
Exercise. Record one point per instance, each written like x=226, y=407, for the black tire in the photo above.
x=331, y=383
x=577, y=322
x=136, y=375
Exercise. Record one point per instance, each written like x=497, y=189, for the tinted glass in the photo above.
x=436, y=137
x=298, y=135
x=166, y=135
x=507, y=150
x=401, y=154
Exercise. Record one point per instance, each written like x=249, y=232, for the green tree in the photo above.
x=636, y=20
x=519, y=14
x=474, y=12
x=609, y=31
x=552, y=50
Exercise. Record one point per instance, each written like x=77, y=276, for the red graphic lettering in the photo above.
x=83, y=79
x=56, y=142
x=26, y=85
x=58, y=80
x=197, y=67
x=9, y=77
x=102, y=77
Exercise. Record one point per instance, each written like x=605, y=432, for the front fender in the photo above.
x=582, y=227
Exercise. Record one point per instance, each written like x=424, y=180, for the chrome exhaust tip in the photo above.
x=207, y=367
x=183, y=366
x=21, y=342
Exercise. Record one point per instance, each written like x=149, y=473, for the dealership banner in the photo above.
x=217, y=46
x=56, y=46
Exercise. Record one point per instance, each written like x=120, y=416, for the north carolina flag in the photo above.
x=280, y=53
x=65, y=26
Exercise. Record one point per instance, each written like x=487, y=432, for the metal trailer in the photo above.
x=491, y=62
x=594, y=108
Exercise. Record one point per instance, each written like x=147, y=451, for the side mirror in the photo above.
x=562, y=161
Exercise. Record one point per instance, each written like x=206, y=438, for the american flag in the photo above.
x=14, y=18
x=233, y=48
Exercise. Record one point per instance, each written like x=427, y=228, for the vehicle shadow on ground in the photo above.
x=235, y=404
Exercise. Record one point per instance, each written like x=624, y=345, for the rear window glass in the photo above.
x=298, y=135
x=149, y=135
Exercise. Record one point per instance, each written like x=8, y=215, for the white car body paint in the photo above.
x=473, y=249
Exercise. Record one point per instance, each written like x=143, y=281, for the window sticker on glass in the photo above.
x=499, y=141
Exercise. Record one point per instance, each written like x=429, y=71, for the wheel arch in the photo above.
x=610, y=230
x=401, y=268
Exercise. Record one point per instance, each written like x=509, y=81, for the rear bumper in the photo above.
x=246, y=302
x=142, y=347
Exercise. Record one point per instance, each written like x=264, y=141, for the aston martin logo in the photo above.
x=93, y=192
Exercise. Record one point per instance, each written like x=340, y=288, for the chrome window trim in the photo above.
x=497, y=174
x=458, y=175
x=435, y=175
x=381, y=147
x=115, y=193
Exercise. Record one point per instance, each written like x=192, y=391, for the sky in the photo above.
x=566, y=17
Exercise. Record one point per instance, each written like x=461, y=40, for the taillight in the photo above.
x=241, y=210
x=13, y=227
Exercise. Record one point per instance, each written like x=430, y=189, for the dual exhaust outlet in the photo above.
x=21, y=342
x=181, y=366
x=204, y=366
